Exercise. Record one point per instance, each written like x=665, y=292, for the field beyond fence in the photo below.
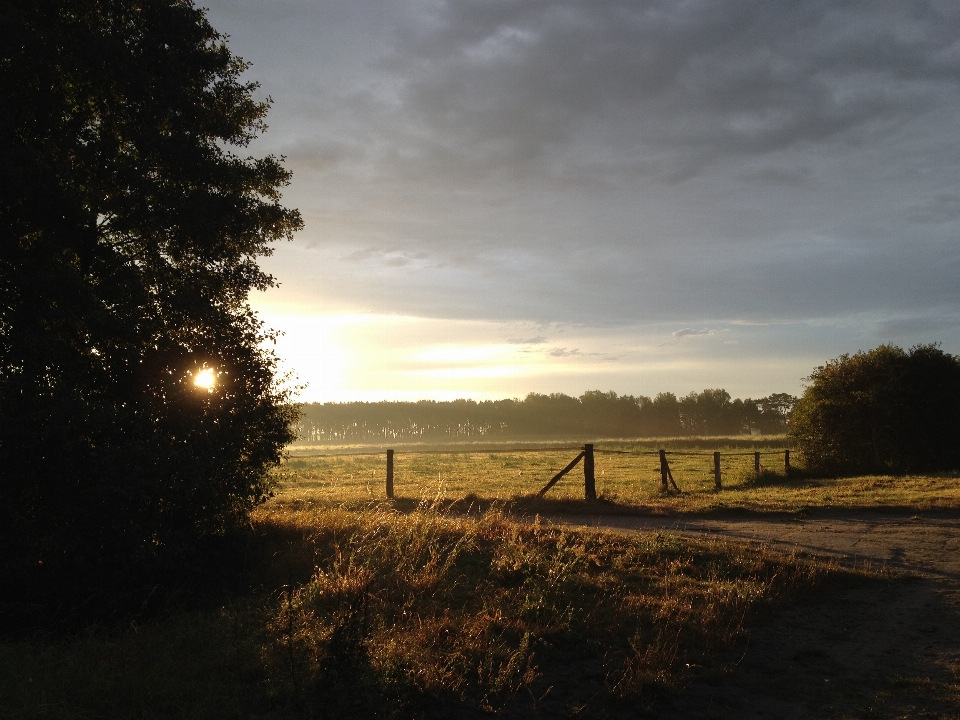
x=628, y=478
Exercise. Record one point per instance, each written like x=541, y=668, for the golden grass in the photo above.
x=627, y=482
x=378, y=613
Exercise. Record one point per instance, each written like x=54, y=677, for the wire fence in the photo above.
x=455, y=451
x=507, y=472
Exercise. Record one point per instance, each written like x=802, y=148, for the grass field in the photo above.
x=351, y=606
x=627, y=480
x=377, y=613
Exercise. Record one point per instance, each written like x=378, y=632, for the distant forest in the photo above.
x=594, y=414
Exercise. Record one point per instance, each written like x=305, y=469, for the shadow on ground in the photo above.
x=868, y=652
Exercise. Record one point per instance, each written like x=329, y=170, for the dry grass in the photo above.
x=626, y=482
x=377, y=613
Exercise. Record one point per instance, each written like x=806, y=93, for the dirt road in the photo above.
x=884, y=650
x=924, y=545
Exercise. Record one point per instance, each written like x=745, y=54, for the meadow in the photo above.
x=456, y=599
x=627, y=479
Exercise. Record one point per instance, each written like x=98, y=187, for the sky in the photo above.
x=503, y=197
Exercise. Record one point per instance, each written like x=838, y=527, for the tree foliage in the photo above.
x=886, y=410
x=130, y=231
x=593, y=415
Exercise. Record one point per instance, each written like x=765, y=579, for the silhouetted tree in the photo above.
x=711, y=412
x=129, y=236
x=882, y=410
x=772, y=412
x=662, y=416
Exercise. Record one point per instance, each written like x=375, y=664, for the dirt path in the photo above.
x=886, y=650
x=923, y=545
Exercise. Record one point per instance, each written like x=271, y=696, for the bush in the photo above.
x=886, y=410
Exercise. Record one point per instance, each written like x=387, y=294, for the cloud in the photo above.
x=790, y=176
x=591, y=92
x=662, y=89
x=684, y=332
x=940, y=209
x=922, y=329
x=563, y=352
x=538, y=340
x=396, y=260
x=389, y=258
x=608, y=163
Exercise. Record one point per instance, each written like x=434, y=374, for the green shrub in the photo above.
x=886, y=410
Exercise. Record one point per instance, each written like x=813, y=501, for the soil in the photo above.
x=863, y=650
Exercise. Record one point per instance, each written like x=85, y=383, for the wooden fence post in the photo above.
x=589, y=480
x=717, y=483
x=664, y=486
x=786, y=462
x=390, y=474
x=756, y=463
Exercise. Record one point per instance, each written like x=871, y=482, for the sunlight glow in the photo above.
x=344, y=357
x=467, y=373
x=463, y=353
x=205, y=379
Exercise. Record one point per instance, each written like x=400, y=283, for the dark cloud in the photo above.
x=943, y=208
x=660, y=88
x=778, y=175
x=915, y=328
x=613, y=162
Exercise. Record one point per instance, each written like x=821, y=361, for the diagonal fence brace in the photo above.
x=665, y=474
x=556, y=478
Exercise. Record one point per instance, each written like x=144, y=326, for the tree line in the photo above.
x=593, y=414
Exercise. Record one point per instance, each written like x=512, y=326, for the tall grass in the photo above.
x=376, y=613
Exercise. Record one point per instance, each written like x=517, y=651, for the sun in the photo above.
x=205, y=379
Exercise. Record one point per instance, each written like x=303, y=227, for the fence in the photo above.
x=588, y=457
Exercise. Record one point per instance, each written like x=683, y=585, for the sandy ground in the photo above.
x=880, y=650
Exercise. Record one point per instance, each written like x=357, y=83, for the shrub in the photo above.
x=886, y=410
